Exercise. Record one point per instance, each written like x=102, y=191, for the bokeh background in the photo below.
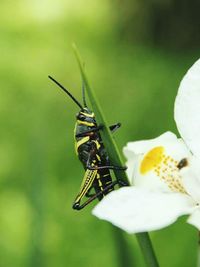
x=136, y=53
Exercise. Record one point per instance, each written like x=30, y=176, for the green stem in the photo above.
x=123, y=255
x=147, y=249
x=115, y=159
x=198, y=252
x=37, y=186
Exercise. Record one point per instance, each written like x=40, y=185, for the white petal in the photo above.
x=187, y=108
x=131, y=168
x=191, y=178
x=138, y=210
x=194, y=218
x=141, y=147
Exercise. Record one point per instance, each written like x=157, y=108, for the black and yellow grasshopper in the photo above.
x=92, y=153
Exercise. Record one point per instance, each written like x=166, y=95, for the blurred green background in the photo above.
x=136, y=53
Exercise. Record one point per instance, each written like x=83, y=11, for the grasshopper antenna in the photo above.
x=83, y=89
x=67, y=92
x=83, y=93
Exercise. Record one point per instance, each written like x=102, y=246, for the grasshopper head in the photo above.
x=86, y=116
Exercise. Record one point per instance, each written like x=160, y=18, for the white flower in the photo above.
x=164, y=172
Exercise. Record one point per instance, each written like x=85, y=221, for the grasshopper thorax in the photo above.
x=86, y=117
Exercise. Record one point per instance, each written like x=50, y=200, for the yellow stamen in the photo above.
x=164, y=166
x=152, y=159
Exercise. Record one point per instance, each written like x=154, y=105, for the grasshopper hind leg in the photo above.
x=99, y=195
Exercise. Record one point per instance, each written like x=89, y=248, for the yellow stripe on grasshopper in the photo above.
x=98, y=145
x=80, y=142
x=88, y=115
x=86, y=123
x=86, y=184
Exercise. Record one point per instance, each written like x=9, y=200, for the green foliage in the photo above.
x=39, y=172
x=172, y=24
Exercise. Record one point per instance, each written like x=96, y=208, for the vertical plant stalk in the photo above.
x=124, y=257
x=198, y=250
x=147, y=249
x=115, y=158
x=37, y=186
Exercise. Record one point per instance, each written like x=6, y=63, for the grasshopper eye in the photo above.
x=80, y=117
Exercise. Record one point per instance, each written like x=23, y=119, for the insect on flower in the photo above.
x=92, y=153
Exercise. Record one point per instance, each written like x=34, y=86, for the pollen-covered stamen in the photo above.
x=164, y=166
x=182, y=163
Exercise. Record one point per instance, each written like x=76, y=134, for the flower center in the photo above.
x=153, y=158
x=164, y=166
